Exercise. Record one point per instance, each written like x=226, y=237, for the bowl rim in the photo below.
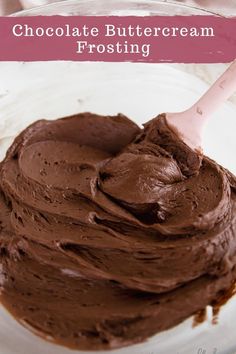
x=170, y=3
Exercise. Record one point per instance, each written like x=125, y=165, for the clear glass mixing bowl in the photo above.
x=140, y=91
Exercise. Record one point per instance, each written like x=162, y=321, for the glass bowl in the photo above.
x=54, y=89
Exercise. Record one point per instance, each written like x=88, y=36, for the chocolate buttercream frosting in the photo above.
x=110, y=233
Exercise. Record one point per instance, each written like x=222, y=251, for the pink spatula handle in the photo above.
x=189, y=123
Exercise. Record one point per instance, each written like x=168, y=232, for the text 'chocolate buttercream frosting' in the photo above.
x=110, y=233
